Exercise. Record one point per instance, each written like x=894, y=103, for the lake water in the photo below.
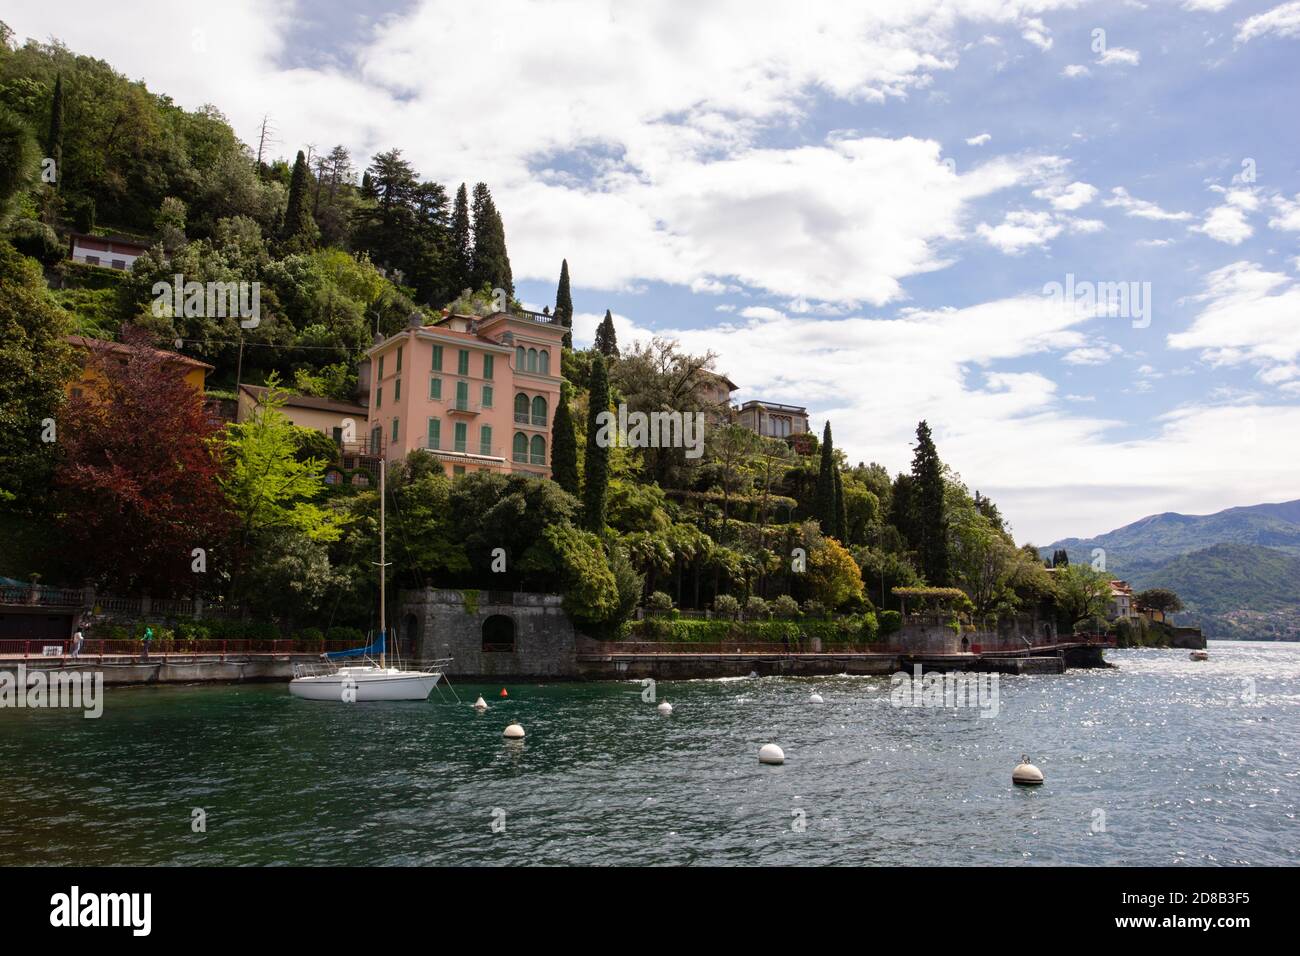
x=1161, y=761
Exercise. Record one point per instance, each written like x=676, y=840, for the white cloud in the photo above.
x=1288, y=214
x=1019, y=230
x=1075, y=70
x=1249, y=317
x=1211, y=6
x=1119, y=56
x=1036, y=32
x=979, y=140
x=1227, y=223
x=1067, y=198
x=1283, y=20
x=1141, y=208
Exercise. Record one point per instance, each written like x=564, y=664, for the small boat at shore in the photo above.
x=371, y=680
x=1200, y=655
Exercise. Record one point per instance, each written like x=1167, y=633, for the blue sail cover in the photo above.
x=375, y=648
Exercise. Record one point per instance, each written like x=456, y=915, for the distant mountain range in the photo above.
x=1237, y=571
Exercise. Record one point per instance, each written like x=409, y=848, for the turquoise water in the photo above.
x=1186, y=766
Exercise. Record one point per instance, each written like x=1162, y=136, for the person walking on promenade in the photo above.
x=77, y=640
x=144, y=641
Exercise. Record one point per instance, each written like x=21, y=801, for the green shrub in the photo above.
x=756, y=609
x=35, y=239
x=890, y=622
x=785, y=607
x=352, y=635
x=724, y=605
x=659, y=601
x=814, y=608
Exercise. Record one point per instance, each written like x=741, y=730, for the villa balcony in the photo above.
x=458, y=407
x=464, y=452
x=521, y=459
x=532, y=421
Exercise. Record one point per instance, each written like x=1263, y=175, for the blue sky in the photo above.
x=857, y=210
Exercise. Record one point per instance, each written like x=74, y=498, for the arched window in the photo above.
x=544, y=362
x=532, y=360
x=539, y=450
x=520, y=358
x=521, y=447
x=521, y=408
x=498, y=634
x=539, y=410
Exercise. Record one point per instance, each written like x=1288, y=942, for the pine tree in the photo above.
x=931, y=522
x=489, y=261
x=841, y=511
x=564, y=445
x=606, y=340
x=824, y=500
x=54, y=143
x=596, y=463
x=460, y=241
x=564, y=304
x=299, y=227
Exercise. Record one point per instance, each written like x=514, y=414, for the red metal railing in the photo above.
x=163, y=648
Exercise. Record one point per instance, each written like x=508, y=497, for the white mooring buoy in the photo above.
x=665, y=708
x=1026, y=774
x=480, y=704
x=771, y=753
x=513, y=732
x=816, y=698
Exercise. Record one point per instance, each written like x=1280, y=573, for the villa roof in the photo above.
x=292, y=399
x=801, y=409
x=117, y=348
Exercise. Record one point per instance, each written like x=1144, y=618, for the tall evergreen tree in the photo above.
x=54, y=142
x=461, y=248
x=299, y=227
x=931, y=522
x=490, y=263
x=19, y=160
x=564, y=304
x=564, y=445
x=606, y=340
x=824, y=499
x=596, y=463
x=841, y=511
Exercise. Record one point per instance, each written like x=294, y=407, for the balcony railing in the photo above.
x=527, y=459
x=459, y=407
x=525, y=419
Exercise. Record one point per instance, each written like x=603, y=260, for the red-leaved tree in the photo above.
x=137, y=478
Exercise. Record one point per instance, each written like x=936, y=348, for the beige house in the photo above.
x=1121, y=602
x=345, y=422
x=773, y=420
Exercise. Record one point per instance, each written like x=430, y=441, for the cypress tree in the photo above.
x=564, y=445
x=596, y=463
x=19, y=161
x=460, y=242
x=298, y=223
x=606, y=340
x=841, y=511
x=824, y=500
x=931, y=522
x=564, y=304
x=54, y=143
x=489, y=261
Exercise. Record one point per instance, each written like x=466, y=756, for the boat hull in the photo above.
x=363, y=687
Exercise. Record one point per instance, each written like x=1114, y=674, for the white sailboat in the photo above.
x=370, y=680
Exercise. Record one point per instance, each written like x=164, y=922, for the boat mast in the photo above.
x=383, y=625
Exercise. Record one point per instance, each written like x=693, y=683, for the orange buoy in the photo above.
x=503, y=692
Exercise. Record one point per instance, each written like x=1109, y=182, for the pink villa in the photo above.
x=476, y=393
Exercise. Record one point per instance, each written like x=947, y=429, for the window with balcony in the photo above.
x=462, y=396
x=437, y=358
x=462, y=437
x=520, y=453
x=485, y=440
x=521, y=409
x=462, y=362
x=539, y=410
x=537, y=450
x=434, y=438
x=487, y=396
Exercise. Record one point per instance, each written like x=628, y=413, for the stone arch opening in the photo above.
x=499, y=634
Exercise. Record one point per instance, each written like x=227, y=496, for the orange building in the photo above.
x=477, y=393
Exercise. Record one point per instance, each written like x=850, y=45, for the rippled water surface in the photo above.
x=1182, y=762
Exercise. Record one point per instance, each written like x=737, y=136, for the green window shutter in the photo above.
x=435, y=388
x=485, y=440
x=487, y=396
x=462, y=431
x=462, y=362
x=488, y=362
x=435, y=433
x=394, y=429
x=437, y=358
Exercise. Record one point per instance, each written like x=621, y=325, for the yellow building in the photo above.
x=89, y=380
